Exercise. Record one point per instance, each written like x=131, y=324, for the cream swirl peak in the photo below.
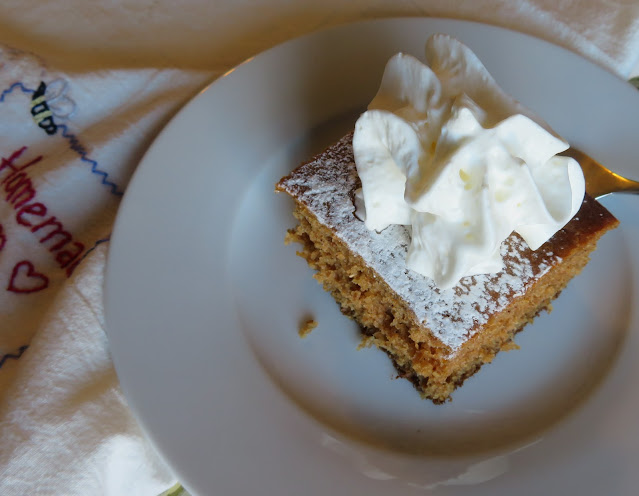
x=443, y=149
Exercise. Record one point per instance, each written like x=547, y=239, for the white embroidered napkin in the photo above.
x=68, y=146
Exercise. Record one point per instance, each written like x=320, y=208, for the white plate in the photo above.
x=203, y=300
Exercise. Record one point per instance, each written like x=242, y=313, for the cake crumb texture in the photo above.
x=306, y=328
x=435, y=338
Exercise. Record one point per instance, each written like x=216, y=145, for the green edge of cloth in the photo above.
x=176, y=490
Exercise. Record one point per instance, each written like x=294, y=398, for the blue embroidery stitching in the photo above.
x=13, y=87
x=13, y=356
x=74, y=143
x=95, y=245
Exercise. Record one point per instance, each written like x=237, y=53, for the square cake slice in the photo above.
x=435, y=338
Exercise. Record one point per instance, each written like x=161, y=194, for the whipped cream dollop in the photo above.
x=444, y=150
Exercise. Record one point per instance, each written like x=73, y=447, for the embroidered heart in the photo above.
x=25, y=279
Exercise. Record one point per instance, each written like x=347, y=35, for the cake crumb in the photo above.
x=306, y=327
x=366, y=342
x=510, y=346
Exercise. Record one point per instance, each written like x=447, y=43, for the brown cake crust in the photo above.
x=435, y=338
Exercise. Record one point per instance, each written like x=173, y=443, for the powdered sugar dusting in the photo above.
x=326, y=186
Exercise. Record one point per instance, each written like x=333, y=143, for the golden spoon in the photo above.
x=599, y=180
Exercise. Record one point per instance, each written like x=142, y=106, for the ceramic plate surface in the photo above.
x=203, y=299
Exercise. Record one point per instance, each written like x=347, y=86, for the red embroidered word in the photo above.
x=20, y=194
x=25, y=279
